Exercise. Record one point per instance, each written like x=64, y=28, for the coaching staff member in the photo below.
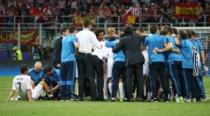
x=87, y=42
x=130, y=44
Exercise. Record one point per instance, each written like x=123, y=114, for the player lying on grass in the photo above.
x=22, y=84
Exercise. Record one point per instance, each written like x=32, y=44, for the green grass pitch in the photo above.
x=86, y=108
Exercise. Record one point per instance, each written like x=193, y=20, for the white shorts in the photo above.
x=146, y=63
x=38, y=91
x=109, y=67
x=146, y=68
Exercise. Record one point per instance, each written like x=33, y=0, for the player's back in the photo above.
x=21, y=83
x=155, y=41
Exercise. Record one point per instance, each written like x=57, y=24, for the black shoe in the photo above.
x=139, y=99
x=153, y=99
x=113, y=99
x=74, y=98
x=127, y=100
x=166, y=100
x=100, y=99
x=81, y=99
x=63, y=99
x=93, y=99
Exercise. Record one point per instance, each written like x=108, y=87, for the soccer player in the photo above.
x=99, y=57
x=109, y=66
x=36, y=73
x=186, y=47
x=201, y=65
x=22, y=84
x=118, y=69
x=157, y=62
x=69, y=43
x=174, y=61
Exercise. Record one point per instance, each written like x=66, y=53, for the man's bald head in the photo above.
x=37, y=66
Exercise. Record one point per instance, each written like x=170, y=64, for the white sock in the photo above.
x=105, y=89
x=149, y=95
x=110, y=87
x=121, y=90
x=145, y=88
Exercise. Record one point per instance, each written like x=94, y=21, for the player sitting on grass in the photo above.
x=22, y=84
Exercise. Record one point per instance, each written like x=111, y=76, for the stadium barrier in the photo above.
x=25, y=35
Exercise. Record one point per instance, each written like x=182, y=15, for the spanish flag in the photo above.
x=188, y=10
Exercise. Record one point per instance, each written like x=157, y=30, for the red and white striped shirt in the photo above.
x=134, y=11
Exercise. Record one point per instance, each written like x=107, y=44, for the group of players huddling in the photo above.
x=164, y=65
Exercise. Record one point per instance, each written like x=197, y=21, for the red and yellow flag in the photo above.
x=188, y=10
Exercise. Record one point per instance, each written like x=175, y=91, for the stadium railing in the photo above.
x=47, y=32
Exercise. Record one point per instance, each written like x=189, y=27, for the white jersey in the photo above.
x=21, y=83
x=110, y=53
x=101, y=53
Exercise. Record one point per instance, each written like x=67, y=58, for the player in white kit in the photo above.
x=22, y=84
x=108, y=74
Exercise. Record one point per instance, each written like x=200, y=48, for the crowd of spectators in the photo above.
x=46, y=11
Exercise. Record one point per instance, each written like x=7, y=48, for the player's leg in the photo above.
x=74, y=86
x=187, y=85
x=164, y=80
x=174, y=76
x=105, y=85
x=70, y=75
x=115, y=79
x=63, y=81
x=154, y=75
x=105, y=88
x=40, y=90
x=121, y=89
x=110, y=86
x=100, y=74
x=109, y=74
x=193, y=86
x=202, y=93
x=148, y=86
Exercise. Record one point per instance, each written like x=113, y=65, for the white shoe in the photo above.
x=204, y=99
x=113, y=99
x=177, y=100
x=193, y=100
x=187, y=100
x=181, y=100
x=121, y=99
